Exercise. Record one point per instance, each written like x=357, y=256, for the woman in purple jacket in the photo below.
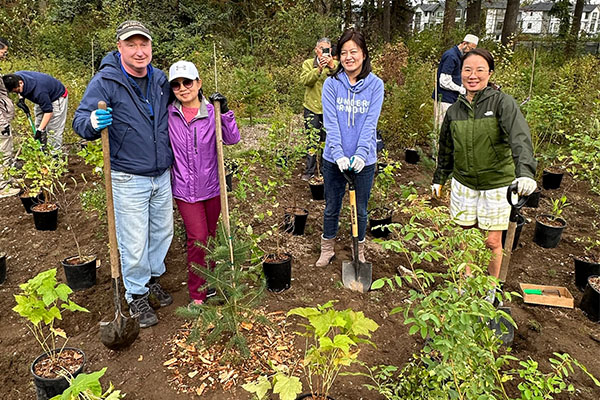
x=194, y=174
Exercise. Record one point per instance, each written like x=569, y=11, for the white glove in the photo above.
x=343, y=163
x=462, y=90
x=525, y=185
x=436, y=190
x=357, y=164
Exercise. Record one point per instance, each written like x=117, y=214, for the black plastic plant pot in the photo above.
x=551, y=180
x=533, y=201
x=2, y=268
x=45, y=220
x=590, y=302
x=381, y=166
x=79, y=276
x=520, y=223
x=278, y=272
x=583, y=270
x=296, y=222
x=228, y=181
x=377, y=218
x=317, y=191
x=309, y=396
x=508, y=335
x=48, y=388
x=548, y=236
x=29, y=202
x=411, y=156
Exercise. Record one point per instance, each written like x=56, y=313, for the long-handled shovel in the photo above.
x=121, y=331
x=512, y=227
x=356, y=275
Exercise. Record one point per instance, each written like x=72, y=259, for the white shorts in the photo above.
x=488, y=209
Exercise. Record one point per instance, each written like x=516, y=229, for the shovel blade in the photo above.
x=119, y=333
x=357, y=275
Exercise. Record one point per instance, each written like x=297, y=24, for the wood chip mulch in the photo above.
x=196, y=369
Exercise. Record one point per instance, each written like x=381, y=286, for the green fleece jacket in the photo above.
x=486, y=143
x=313, y=84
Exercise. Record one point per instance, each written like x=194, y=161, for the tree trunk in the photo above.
x=387, y=17
x=348, y=18
x=509, y=27
x=573, y=37
x=449, y=22
x=473, y=20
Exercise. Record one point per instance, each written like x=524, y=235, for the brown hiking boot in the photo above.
x=327, y=252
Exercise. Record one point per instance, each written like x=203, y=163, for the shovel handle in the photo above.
x=110, y=208
x=513, y=189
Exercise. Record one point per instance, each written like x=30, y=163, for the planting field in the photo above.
x=147, y=371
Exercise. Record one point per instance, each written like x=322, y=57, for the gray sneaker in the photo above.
x=140, y=307
x=158, y=295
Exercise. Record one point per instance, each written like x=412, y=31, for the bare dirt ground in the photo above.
x=139, y=370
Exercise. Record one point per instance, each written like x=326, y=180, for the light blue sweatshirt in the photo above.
x=350, y=115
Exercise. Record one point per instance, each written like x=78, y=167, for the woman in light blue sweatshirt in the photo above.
x=352, y=98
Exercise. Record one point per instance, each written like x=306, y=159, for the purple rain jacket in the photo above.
x=194, y=175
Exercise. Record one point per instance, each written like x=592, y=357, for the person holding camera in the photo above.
x=314, y=72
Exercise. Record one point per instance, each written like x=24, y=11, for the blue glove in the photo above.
x=356, y=164
x=100, y=119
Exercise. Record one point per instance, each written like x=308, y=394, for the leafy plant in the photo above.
x=584, y=154
x=282, y=383
x=88, y=387
x=238, y=291
x=558, y=206
x=40, y=303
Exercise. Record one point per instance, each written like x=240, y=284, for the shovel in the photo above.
x=356, y=275
x=512, y=227
x=121, y=331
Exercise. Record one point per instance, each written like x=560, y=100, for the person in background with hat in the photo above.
x=449, y=84
x=50, y=98
x=195, y=176
x=137, y=96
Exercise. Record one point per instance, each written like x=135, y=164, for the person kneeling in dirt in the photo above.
x=50, y=98
x=352, y=100
x=484, y=143
x=195, y=176
x=314, y=72
x=137, y=96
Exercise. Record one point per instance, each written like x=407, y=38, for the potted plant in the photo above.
x=80, y=269
x=380, y=213
x=411, y=153
x=549, y=227
x=587, y=264
x=2, y=268
x=277, y=266
x=590, y=302
x=231, y=167
x=41, y=302
x=88, y=387
x=294, y=219
x=315, y=149
x=332, y=344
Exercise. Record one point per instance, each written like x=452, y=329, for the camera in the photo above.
x=327, y=52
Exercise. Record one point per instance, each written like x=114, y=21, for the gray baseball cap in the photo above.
x=130, y=28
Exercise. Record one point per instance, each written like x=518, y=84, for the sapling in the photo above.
x=88, y=387
x=558, y=206
x=40, y=302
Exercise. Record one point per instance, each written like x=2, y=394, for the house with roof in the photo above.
x=494, y=11
x=428, y=15
x=590, y=20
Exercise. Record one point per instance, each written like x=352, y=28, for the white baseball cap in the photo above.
x=471, y=39
x=183, y=69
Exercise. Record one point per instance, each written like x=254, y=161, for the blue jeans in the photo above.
x=335, y=188
x=144, y=222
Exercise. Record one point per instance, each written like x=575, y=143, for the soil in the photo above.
x=44, y=207
x=380, y=213
x=551, y=221
x=69, y=360
x=139, y=370
x=276, y=258
x=595, y=283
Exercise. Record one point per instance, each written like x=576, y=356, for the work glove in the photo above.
x=100, y=118
x=221, y=99
x=343, y=163
x=525, y=185
x=356, y=164
x=462, y=90
x=436, y=190
x=21, y=104
x=41, y=136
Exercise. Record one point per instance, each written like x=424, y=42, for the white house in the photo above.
x=494, y=11
x=590, y=20
x=427, y=15
x=536, y=19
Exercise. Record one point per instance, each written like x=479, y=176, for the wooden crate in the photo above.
x=564, y=300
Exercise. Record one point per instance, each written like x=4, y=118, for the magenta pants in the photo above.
x=200, y=220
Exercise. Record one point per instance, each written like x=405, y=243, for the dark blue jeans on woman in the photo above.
x=335, y=188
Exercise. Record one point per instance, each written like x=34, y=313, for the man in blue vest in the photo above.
x=449, y=84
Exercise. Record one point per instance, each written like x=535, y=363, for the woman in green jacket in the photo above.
x=485, y=144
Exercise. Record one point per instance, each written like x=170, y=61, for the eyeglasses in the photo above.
x=176, y=85
x=478, y=71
